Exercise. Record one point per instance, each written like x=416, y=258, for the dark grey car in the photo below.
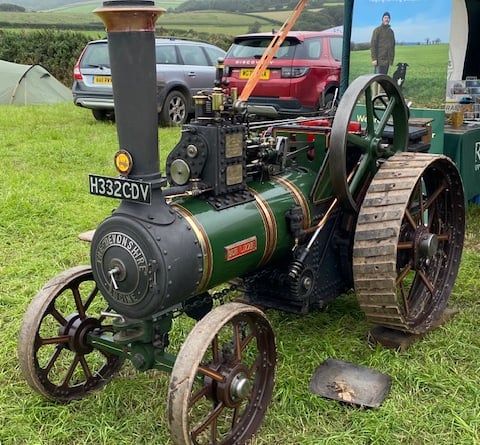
x=184, y=68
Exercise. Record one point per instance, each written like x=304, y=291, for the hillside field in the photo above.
x=214, y=22
x=88, y=6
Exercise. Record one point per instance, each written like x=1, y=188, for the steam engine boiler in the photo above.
x=290, y=214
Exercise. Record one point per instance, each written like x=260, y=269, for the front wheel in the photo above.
x=55, y=356
x=174, y=109
x=223, y=378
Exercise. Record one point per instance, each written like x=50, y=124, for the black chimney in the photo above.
x=130, y=26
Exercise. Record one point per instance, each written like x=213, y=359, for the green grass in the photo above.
x=426, y=73
x=47, y=153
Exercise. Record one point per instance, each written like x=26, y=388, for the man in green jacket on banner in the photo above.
x=383, y=46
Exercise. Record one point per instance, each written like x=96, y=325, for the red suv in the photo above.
x=302, y=77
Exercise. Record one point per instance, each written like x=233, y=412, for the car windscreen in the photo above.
x=96, y=56
x=254, y=47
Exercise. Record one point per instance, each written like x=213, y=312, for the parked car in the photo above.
x=184, y=68
x=302, y=78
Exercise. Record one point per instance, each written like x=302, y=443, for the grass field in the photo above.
x=426, y=73
x=87, y=6
x=47, y=153
x=200, y=21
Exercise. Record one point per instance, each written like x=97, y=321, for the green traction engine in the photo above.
x=283, y=215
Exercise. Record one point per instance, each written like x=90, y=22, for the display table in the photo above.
x=462, y=145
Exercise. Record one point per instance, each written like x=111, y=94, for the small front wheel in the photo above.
x=55, y=356
x=223, y=378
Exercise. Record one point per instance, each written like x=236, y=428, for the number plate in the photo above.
x=245, y=73
x=137, y=191
x=102, y=80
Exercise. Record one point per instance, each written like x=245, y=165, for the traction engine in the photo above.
x=291, y=214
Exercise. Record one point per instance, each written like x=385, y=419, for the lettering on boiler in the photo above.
x=241, y=248
x=124, y=247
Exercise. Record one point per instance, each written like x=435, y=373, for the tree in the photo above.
x=11, y=8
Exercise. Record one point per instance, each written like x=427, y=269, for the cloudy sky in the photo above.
x=411, y=20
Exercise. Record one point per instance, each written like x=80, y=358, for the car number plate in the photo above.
x=121, y=188
x=245, y=73
x=102, y=80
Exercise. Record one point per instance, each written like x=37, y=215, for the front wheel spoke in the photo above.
x=71, y=370
x=405, y=245
x=238, y=342
x=247, y=341
x=61, y=339
x=53, y=359
x=79, y=303
x=432, y=216
x=401, y=284
x=90, y=298
x=211, y=420
x=57, y=315
x=86, y=368
x=443, y=237
x=208, y=372
x=235, y=416
x=202, y=392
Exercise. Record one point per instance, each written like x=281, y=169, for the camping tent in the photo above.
x=30, y=84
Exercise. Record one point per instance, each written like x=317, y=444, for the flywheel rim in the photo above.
x=401, y=283
x=364, y=149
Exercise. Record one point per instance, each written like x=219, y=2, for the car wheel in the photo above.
x=175, y=109
x=328, y=104
x=103, y=115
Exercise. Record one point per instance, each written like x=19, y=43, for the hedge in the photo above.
x=57, y=51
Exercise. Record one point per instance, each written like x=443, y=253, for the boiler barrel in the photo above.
x=246, y=237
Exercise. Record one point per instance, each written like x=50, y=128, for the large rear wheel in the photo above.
x=408, y=241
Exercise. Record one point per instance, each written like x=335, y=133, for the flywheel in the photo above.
x=408, y=241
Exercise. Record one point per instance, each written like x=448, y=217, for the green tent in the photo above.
x=30, y=84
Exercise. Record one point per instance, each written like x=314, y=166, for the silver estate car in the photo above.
x=184, y=68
